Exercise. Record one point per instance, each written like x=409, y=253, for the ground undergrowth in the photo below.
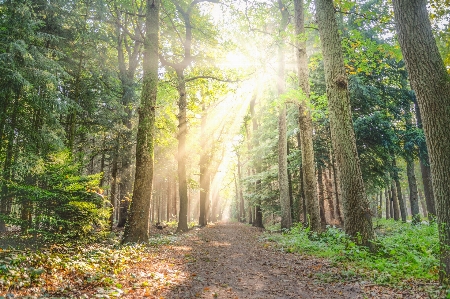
x=406, y=258
x=405, y=254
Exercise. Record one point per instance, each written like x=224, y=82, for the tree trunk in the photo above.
x=380, y=208
x=336, y=188
x=329, y=191
x=323, y=220
x=137, y=228
x=358, y=221
x=398, y=190
x=391, y=201
x=5, y=199
x=204, y=181
x=431, y=83
x=168, y=199
x=258, y=219
x=182, y=132
x=388, y=203
x=283, y=185
x=113, y=194
x=291, y=196
x=241, y=195
x=423, y=204
x=425, y=169
x=305, y=123
x=395, y=201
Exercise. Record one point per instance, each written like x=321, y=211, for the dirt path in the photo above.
x=228, y=261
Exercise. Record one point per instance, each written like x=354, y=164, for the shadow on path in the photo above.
x=227, y=261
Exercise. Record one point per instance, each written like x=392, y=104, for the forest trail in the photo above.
x=227, y=260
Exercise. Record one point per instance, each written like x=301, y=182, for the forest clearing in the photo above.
x=225, y=148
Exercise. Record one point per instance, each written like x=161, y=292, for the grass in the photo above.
x=404, y=251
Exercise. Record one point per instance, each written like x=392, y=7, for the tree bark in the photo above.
x=410, y=171
x=113, y=194
x=241, y=195
x=388, y=203
x=258, y=218
x=431, y=83
x=5, y=199
x=329, y=191
x=403, y=212
x=425, y=169
x=391, y=201
x=204, y=176
x=181, y=158
x=137, y=227
x=380, y=208
x=305, y=123
x=395, y=201
x=283, y=184
x=336, y=187
x=358, y=220
x=323, y=220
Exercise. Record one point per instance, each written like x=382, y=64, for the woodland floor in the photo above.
x=228, y=260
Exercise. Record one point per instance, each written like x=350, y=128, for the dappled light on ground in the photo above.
x=223, y=260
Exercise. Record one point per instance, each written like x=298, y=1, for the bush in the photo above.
x=62, y=204
x=404, y=251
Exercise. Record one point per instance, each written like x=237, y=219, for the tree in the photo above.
x=431, y=83
x=305, y=122
x=357, y=215
x=137, y=227
x=283, y=184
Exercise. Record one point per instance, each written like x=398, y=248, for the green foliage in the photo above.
x=402, y=251
x=66, y=205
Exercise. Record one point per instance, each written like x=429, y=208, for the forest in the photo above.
x=224, y=148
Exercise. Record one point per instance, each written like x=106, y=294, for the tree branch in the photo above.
x=213, y=78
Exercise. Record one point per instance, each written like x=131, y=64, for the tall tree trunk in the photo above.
x=388, y=203
x=301, y=201
x=241, y=196
x=358, y=221
x=127, y=78
x=291, y=195
x=423, y=204
x=113, y=194
x=391, y=201
x=336, y=188
x=168, y=199
x=398, y=187
x=425, y=169
x=323, y=220
x=410, y=171
x=182, y=132
x=204, y=182
x=305, y=122
x=5, y=198
x=430, y=81
x=395, y=201
x=137, y=228
x=413, y=193
x=258, y=219
x=380, y=208
x=329, y=191
x=283, y=184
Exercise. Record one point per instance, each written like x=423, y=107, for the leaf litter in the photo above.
x=224, y=260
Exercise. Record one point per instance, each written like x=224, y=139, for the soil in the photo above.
x=224, y=260
x=229, y=260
